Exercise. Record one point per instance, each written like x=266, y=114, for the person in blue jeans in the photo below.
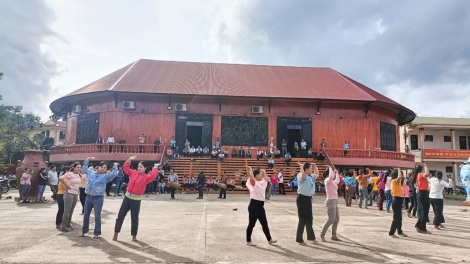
x=119, y=181
x=42, y=183
x=95, y=190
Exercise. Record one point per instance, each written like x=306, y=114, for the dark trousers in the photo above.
x=172, y=192
x=54, y=191
x=108, y=188
x=110, y=148
x=407, y=202
x=256, y=212
x=60, y=211
x=134, y=207
x=141, y=149
x=223, y=193
x=82, y=198
x=381, y=199
x=397, y=216
x=303, y=153
x=155, y=186
x=438, y=208
x=305, y=213
x=423, y=200
x=201, y=190
x=282, y=190
x=413, y=205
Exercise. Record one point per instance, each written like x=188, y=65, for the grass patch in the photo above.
x=455, y=197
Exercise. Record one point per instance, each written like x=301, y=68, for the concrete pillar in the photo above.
x=455, y=172
x=421, y=142
x=453, y=139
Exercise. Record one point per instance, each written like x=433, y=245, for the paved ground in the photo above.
x=210, y=231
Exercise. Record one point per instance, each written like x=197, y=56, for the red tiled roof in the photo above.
x=217, y=79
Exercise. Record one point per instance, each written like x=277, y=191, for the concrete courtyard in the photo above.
x=187, y=230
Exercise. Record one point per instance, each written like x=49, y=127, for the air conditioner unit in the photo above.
x=257, y=109
x=77, y=109
x=181, y=108
x=128, y=105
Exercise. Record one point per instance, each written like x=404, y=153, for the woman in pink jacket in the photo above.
x=332, y=180
x=138, y=180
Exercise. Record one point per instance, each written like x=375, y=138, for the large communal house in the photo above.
x=242, y=105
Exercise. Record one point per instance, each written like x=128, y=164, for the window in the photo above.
x=388, y=137
x=414, y=142
x=447, y=139
x=46, y=133
x=432, y=172
x=463, y=142
x=429, y=138
x=449, y=170
x=62, y=135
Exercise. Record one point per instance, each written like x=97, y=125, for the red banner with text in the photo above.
x=446, y=154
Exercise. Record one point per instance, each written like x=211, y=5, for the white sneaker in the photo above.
x=250, y=244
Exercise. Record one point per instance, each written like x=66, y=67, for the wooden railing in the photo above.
x=107, y=148
x=368, y=154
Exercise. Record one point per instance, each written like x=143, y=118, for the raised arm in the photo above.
x=336, y=175
x=302, y=178
x=426, y=170
x=127, y=165
x=369, y=174
x=265, y=175
x=113, y=174
x=153, y=174
x=315, y=170
x=86, y=164
x=250, y=174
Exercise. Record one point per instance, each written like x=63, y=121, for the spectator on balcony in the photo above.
x=176, y=153
x=303, y=148
x=192, y=152
x=192, y=182
x=216, y=187
x=110, y=141
x=186, y=151
x=259, y=154
x=226, y=152
x=320, y=156
x=99, y=142
x=217, y=144
x=296, y=149
x=122, y=141
x=157, y=143
x=284, y=147
x=323, y=144
x=169, y=153
x=214, y=154
x=310, y=153
x=205, y=151
x=234, y=153
x=210, y=182
x=241, y=153
x=346, y=147
x=142, y=139
x=248, y=152
x=288, y=158
x=172, y=142
x=277, y=153
x=271, y=163
x=221, y=156
x=185, y=182
x=166, y=165
x=187, y=143
x=199, y=151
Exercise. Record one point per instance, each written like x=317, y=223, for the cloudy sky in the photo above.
x=415, y=52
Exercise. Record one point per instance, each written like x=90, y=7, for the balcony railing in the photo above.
x=107, y=148
x=369, y=154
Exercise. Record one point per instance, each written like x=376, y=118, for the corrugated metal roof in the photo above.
x=441, y=121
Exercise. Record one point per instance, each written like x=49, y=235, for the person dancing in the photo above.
x=332, y=180
x=71, y=182
x=398, y=194
x=138, y=180
x=94, y=190
x=60, y=199
x=257, y=184
x=305, y=192
x=422, y=183
x=437, y=198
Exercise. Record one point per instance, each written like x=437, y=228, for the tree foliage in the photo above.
x=15, y=128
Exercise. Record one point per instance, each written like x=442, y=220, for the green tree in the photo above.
x=15, y=128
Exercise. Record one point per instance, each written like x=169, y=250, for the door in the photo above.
x=194, y=135
x=463, y=142
x=414, y=142
x=87, y=128
x=293, y=134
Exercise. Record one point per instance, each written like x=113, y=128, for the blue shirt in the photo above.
x=348, y=180
x=354, y=182
x=346, y=146
x=294, y=182
x=120, y=176
x=97, y=183
x=306, y=187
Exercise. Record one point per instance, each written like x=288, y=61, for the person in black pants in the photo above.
x=201, y=181
x=421, y=180
x=398, y=195
x=411, y=212
x=280, y=175
x=108, y=188
x=257, y=186
x=60, y=200
x=306, y=182
x=223, y=192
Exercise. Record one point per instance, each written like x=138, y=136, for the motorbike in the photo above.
x=460, y=189
x=12, y=181
x=4, y=185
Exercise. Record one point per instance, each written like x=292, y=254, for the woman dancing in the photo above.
x=60, y=199
x=257, y=184
x=306, y=190
x=422, y=183
x=437, y=199
x=138, y=180
x=398, y=194
x=332, y=180
x=71, y=182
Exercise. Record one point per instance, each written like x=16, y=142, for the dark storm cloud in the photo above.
x=423, y=44
x=24, y=59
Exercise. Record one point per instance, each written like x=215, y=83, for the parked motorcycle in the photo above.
x=460, y=189
x=4, y=185
x=12, y=181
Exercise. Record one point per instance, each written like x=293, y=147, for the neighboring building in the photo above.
x=442, y=143
x=243, y=105
x=52, y=129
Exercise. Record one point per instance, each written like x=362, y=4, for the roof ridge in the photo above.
x=123, y=75
x=347, y=79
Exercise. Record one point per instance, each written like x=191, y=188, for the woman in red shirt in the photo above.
x=420, y=178
x=138, y=180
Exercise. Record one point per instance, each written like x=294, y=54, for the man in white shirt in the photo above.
x=192, y=150
x=53, y=181
x=259, y=154
x=281, y=182
x=303, y=148
x=110, y=141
